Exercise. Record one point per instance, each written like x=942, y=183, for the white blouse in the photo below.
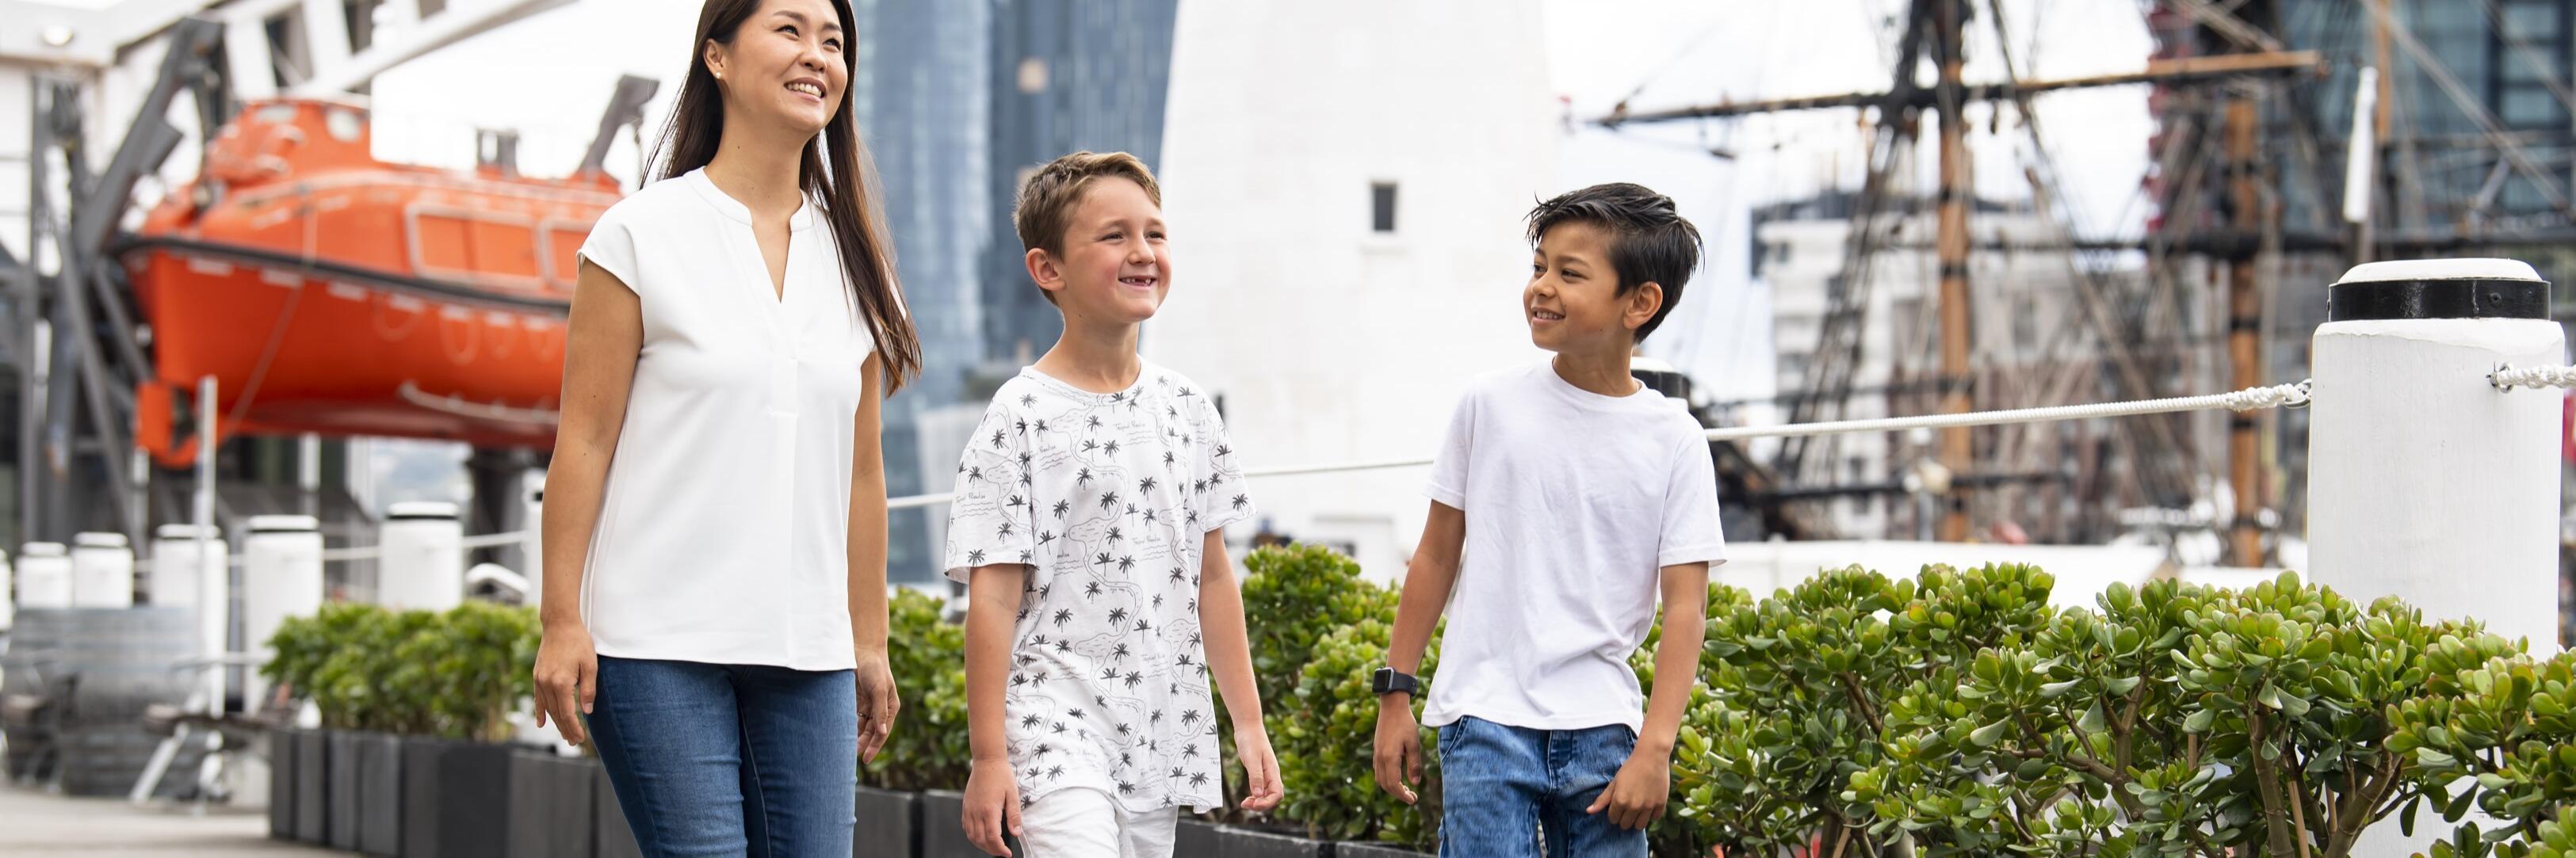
x=723, y=535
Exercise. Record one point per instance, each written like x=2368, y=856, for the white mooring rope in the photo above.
x=2508, y=377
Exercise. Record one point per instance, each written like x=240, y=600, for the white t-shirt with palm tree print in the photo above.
x=1108, y=498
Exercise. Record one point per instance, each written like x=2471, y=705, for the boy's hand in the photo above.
x=992, y=806
x=1636, y=796
x=1260, y=767
x=1398, y=747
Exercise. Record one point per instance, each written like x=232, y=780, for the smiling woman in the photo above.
x=720, y=624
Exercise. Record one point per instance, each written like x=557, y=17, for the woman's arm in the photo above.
x=602, y=340
x=878, y=698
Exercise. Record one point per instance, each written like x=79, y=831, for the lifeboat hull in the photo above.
x=326, y=292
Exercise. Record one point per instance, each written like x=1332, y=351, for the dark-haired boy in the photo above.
x=1566, y=496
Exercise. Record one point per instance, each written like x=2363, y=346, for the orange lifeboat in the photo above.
x=332, y=293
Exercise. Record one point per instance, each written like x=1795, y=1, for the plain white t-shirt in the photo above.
x=1574, y=504
x=724, y=534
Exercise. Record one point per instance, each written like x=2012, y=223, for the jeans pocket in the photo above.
x=1448, y=739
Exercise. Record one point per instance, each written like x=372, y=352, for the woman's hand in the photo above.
x=567, y=676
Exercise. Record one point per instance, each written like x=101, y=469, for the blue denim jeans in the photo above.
x=1506, y=791
x=717, y=759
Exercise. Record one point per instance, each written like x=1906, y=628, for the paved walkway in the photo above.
x=36, y=825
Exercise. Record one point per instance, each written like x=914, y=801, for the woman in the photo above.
x=715, y=600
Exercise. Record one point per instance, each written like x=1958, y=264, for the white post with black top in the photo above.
x=2426, y=482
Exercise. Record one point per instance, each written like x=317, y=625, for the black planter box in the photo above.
x=342, y=800
x=312, y=785
x=552, y=799
x=887, y=827
x=380, y=797
x=455, y=798
x=1195, y=838
x=612, y=836
x=1371, y=850
x=1246, y=843
x=281, y=784
x=941, y=834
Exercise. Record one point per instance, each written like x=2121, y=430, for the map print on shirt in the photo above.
x=1108, y=498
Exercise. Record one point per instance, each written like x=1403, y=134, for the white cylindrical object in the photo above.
x=185, y=577
x=281, y=578
x=2425, y=482
x=423, y=565
x=44, y=575
x=178, y=578
x=102, y=571
x=8, y=595
x=2361, y=150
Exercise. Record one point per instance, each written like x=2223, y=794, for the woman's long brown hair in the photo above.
x=845, y=192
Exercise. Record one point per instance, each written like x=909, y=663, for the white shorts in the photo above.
x=1085, y=823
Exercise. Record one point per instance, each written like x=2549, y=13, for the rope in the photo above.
x=2507, y=377
x=2249, y=399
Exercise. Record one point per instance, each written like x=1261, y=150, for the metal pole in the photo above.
x=33, y=470
x=201, y=512
x=1957, y=447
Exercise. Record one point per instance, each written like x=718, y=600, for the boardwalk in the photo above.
x=36, y=825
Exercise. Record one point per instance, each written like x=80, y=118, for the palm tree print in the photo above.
x=1153, y=739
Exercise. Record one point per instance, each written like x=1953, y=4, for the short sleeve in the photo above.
x=1691, y=531
x=1448, y=483
x=1225, y=500
x=988, y=519
x=611, y=246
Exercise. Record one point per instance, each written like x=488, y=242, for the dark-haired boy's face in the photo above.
x=1572, y=302
x=1116, y=266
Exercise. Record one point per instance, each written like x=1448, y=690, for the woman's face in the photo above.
x=785, y=65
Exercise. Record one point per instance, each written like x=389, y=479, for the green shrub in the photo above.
x=929, y=748
x=453, y=674
x=2494, y=733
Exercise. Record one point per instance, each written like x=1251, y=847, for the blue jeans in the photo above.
x=717, y=759
x=1504, y=789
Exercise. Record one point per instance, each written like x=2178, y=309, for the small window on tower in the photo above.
x=1382, y=206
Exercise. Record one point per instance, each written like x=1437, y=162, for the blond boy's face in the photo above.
x=1116, y=266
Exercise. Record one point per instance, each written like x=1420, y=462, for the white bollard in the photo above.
x=102, y=571
x=8, y=595
x=281, y=578
x=182, y=578
x=44, y=575
x=2426, y=482
x=423, y=565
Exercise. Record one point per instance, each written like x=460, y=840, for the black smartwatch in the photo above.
x=1388, y=680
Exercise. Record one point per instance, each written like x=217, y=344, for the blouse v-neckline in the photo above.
x=778, y=292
